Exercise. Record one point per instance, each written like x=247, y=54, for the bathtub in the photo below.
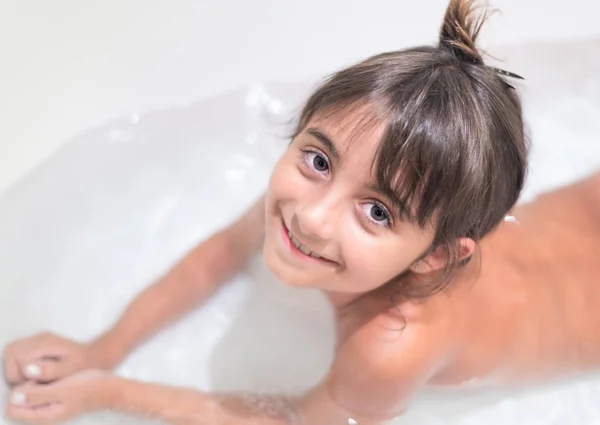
x=116, y=206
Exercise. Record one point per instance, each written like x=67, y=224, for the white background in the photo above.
x=66, y=65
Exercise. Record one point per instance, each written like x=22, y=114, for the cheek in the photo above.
x=373, y=261
x=286, y=180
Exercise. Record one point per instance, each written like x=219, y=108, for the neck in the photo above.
x=340, y=300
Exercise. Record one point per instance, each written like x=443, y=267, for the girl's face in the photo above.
x=328, y=225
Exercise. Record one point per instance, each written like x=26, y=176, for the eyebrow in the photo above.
x=324, y=139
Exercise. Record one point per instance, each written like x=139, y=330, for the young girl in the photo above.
x=399, y=167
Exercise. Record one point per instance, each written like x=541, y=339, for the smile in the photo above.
x=302, y=249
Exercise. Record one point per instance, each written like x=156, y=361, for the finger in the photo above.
x=32, y=395
x=48, y=370
x=47, y=349
x=42, y=415
x=22, y=353
x=12, y=370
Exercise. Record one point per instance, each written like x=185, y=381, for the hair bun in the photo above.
x=460, y=30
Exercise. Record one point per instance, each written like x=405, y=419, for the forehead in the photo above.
x=355, y=131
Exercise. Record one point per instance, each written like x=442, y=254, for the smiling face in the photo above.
x=328, y=225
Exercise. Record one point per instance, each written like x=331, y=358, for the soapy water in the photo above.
x=114, y=208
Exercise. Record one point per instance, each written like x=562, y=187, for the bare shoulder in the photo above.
x=387, y=358
x=591, y=190
x=254, y=215
x=579, y=200
x=247, y=232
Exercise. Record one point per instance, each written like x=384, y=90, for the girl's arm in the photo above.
x=371, y=380
x=186, y=286
x=47, y=357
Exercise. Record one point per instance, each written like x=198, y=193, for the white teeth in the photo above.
x=304, y=250
x=301, y=247
x=295, y=241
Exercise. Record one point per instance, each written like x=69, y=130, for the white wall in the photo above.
x=66, y=65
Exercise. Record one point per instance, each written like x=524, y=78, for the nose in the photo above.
x=318, y=218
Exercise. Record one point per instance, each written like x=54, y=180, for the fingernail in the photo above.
x=33, y=371
x=18, y=399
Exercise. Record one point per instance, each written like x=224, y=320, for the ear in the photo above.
x=438, y=258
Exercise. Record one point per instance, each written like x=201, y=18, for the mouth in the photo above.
x=300, y=249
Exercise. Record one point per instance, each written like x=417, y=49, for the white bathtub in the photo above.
x=116, y=206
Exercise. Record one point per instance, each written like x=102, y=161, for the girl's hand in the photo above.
x=46, y=357
x=54, y=403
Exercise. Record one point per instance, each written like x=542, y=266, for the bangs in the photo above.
x=446, y=156
x=417, y=159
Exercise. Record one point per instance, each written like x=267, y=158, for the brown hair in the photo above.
x=454, y=148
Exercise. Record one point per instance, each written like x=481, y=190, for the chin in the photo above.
x=275, y=266
x=285, y=274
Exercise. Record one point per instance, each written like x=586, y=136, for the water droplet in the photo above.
x=352, y=422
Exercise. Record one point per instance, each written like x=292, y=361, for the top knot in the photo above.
x=460, y=30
